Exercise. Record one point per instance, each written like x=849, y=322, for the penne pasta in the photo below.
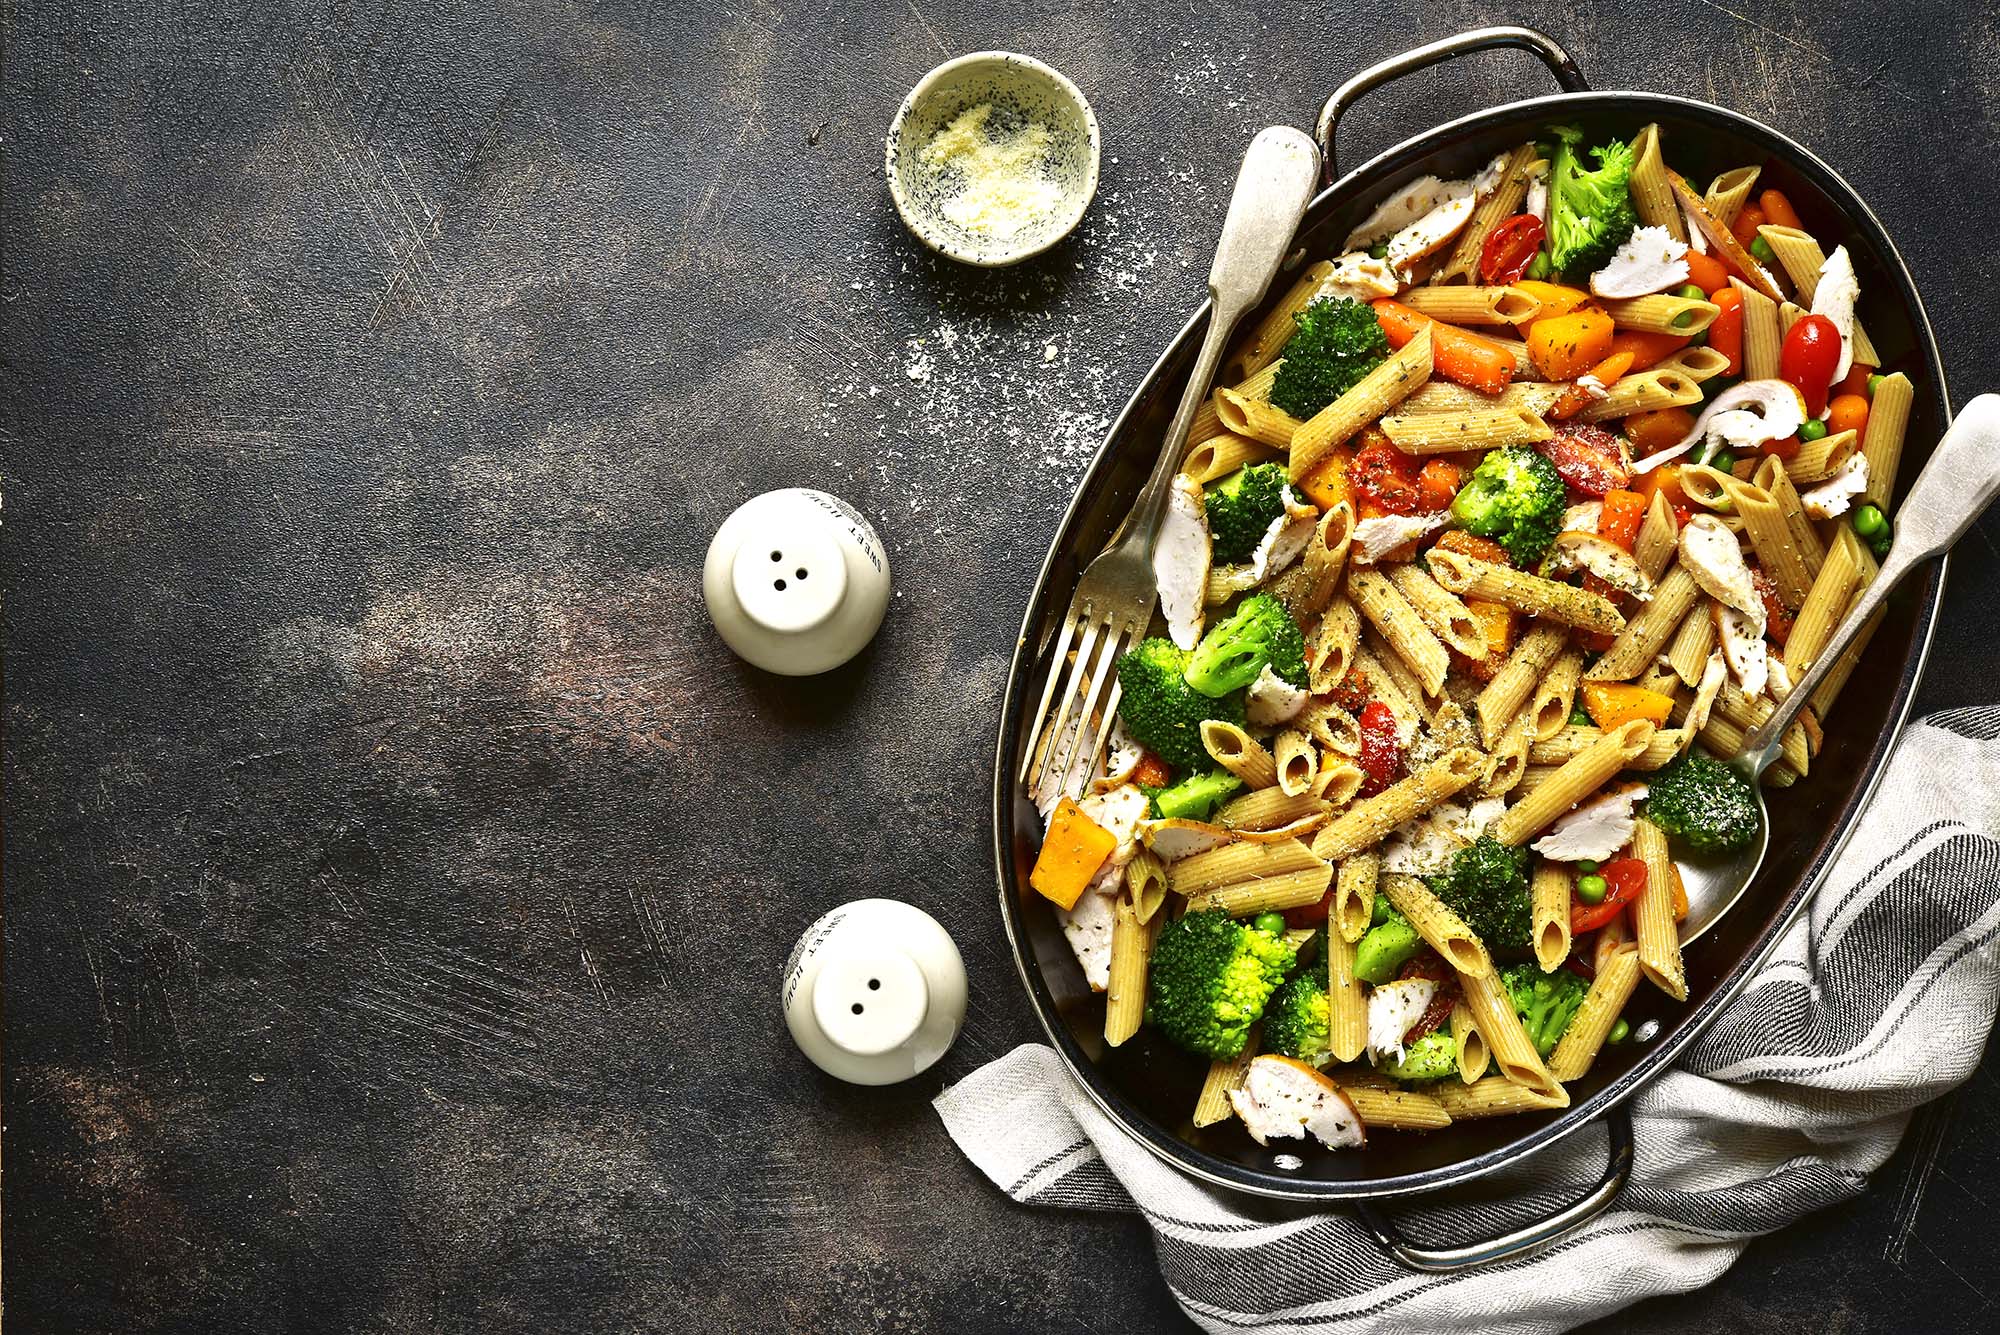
x=1297, y=762
x=1346, y=1004
x=1445, y=614
x=1659, y=532
x=1818, y=460
x=1268, y=337
x=1146, y=884
x=1474, y=305
x=1579, y=778
x=1467, y=1045
x=1652, y=192
x=1549, y=895
x=1555, y=695
x=1509, y=755
x=1649, y=629
x=1442, y=396
x=1378, y=599
x=1726, y=193
x=1882, y=437
x=1354, y=895
x=1399, y=375
x=1512, y=685
x=1825, y=603
x=1469, y=429
x=1653, y=924
x=1662, y=314
x=1362, y=825
x=1617, y=978
x=1443, y=930
x=1496, y=1096
x=1395, y=1109
x=1256, y=419
x=1207, y=423
x=1761, y=339
x=1223, y=1077
x=1237, y=862
x=1239, y=753
x=1546, y=598
x=1770, y=475
x=1693, y=641
x=1698, y=364
x=1125, y=994
x=1513, y=1052
x=1269, y=809
x=1643, y=392
x=1287, y=890
x=1221, y=454
x=1330, y=651
x=1337, y=782
x=1331, y=727
x=1307, y=587
x=1777, y=551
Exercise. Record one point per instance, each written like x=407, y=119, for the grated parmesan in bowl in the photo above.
x=992, y=158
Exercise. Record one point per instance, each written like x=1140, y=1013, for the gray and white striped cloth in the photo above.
x=1873, y=1004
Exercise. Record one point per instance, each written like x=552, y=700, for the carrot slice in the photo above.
x=1647, y=349
x=1475, y=362
x=1778, y=210
x=1707, y=272
x=1725, y=335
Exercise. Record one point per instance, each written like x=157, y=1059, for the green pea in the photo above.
x=1874, y=383
x=1587, y=865
x=1579, y=717
x=1880, y=544
x=1813, y=430
x=1760, y=251
x=1271, y=923
x=1698, y=340
x=1620, y=1031
x=1380, y=250
x=1723, y=461
x=1591, y=889
x=1869, y=521
x=1692, y=291
x=1538, y=267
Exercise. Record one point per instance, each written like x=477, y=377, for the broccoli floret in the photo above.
x=1209, y=980
x=1590, y=212
x=1296, y=1023
x=1431, y=1057
x=1703, y=803
x=1386, y=947
x=1259, y=632
x=1547, y=1001
x=1338, y=341
x=1241, y=508
x=1197, y=796
x=1515, y=497
x=1487, y=886
x=1162, y=712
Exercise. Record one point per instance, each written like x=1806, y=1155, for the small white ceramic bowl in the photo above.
x=1021, y=89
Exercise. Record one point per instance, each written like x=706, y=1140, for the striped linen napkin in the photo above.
x=1799, y=1090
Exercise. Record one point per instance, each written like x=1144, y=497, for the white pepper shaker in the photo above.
x=874, y=992
x=796, y=581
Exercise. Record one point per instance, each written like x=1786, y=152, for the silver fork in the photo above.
x=1114, y=600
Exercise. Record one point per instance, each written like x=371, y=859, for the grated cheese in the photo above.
x=1002, y=188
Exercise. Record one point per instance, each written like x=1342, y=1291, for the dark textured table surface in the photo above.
x=398, y=871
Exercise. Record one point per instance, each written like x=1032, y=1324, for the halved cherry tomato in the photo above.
x=1510, y=248
x=1777, y=617
x=1352, y=691
x=1386, y=475
x=1586, y=457
x=1624, y=881
x=1785, y=447
x=1381, y=755
x=1808, y=358
x=1856, y=380
x=1436, y=1013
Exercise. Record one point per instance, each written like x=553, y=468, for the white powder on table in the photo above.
x=1002, y=186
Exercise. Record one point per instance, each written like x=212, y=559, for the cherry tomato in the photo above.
x=1384, y=474
x=1808, y=359
x=1352, y=691
x=1624, y=880
x=1151, y=772
x=1777, y=617
x=1426, y=963
x=1381, y=753
x=1510, y=248
x=1587, y=458
x=1434, y=1014
x=1310, y=915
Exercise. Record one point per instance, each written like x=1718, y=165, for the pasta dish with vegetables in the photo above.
x=1503, y=525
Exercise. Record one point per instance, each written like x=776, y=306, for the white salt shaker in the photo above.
x=874, y=992
x=796, y=581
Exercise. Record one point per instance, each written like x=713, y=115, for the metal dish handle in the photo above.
x=1431, y=53
x=1443, y=1260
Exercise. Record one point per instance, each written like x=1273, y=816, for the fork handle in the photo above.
x=1273, y=187
x=1959, y=481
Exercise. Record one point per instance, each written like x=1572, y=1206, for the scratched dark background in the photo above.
x=398, y=870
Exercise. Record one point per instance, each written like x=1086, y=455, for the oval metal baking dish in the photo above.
x=1148, y=1086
